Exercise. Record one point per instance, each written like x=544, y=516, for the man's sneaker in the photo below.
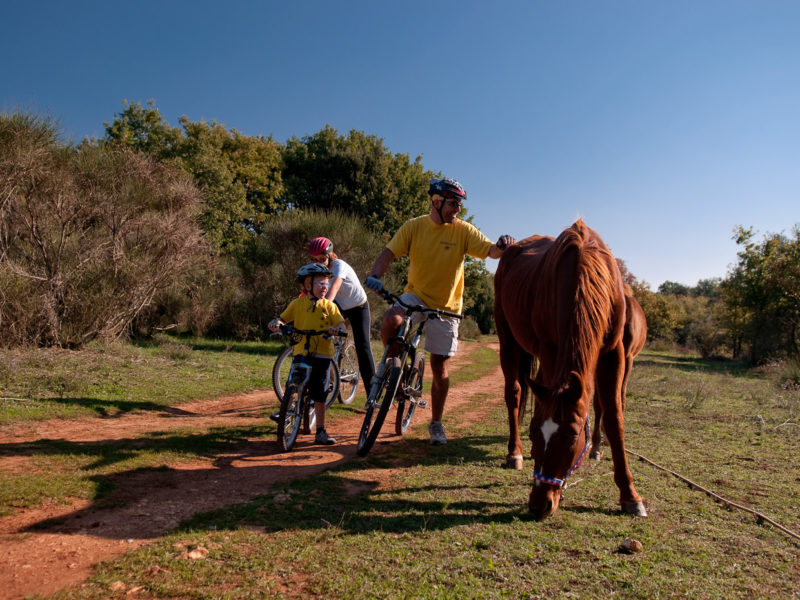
x=275, y=416
x=323, y=438
x=437, y=433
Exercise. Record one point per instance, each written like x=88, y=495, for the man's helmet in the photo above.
x=319, y=245
x=312, y=269
x=447, y=187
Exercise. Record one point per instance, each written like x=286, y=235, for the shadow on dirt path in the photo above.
x=54, y=546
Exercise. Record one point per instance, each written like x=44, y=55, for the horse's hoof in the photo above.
x=595, y=455
x=634, y=508
x=513, y=462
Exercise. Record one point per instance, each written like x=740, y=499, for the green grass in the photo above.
x=38, y=384
x=448, y=523
x=415, y=522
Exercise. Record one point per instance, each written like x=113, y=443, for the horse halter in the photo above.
x=562, y=483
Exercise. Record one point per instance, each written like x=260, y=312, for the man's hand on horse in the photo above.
x=504, y=241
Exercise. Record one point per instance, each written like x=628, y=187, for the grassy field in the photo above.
x=416, y=522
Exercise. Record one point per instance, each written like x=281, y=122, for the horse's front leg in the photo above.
x=597, y=431
x=610, y=373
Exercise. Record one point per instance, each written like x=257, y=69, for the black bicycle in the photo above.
x=399, y=376
x=297, y=409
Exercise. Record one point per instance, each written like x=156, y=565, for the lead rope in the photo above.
x=724, y=501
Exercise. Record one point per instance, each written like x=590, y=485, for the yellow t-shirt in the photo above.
x=303, y=314
x=436, y=272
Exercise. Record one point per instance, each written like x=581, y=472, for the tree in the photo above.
x=479, y=294
x=762, y=294
x=673, y=288
x=143, y=129
x=239, y=175
x=88, y=236
x=355, y=174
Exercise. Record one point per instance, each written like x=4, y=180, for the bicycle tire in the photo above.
x=333, y=388
x=280, y=374
x=280, y=371
x=348, y=374
x=290, y=417
x=382, y=402
x=413, y=383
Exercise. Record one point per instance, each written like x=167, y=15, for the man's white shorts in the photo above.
x=441, y=335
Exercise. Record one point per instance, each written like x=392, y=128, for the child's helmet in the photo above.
x=320, y=245
x=312, y=269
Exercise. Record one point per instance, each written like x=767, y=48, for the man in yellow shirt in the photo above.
x=436, y=245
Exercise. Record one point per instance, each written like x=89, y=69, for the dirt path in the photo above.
x=44, y=559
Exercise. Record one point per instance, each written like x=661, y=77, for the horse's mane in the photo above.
x=585, y=298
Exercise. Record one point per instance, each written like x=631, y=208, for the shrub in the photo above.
x=89, y=235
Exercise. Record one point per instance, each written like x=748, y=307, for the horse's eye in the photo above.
x=569, y=439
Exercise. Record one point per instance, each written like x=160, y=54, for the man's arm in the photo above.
x=497, y=249
x=373, y=282
x=382, y=263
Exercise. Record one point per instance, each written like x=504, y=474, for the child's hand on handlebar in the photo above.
x=275, y=325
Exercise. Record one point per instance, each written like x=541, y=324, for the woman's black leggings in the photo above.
x=360, y=322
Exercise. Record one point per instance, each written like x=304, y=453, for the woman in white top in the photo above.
x=349, y=295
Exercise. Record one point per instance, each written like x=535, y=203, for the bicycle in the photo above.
x=296, y=408
x=398, y=376
x=344, y=370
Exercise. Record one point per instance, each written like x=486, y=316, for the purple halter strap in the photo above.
x=562, y=483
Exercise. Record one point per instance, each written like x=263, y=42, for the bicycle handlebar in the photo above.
x=288, y=330
x=391, y=298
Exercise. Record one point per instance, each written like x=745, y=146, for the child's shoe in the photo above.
x=323, y=438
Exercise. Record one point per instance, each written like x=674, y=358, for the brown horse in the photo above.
x=633, y=339
x=562, y=301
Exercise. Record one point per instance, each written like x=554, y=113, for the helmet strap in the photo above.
x=439, y=210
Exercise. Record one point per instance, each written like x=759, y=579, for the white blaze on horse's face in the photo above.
x=549, y=427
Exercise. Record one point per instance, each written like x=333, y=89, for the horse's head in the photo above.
x=560, y=434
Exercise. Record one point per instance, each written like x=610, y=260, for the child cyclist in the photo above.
x=312, y=311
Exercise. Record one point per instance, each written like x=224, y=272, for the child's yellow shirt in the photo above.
x=304, y=314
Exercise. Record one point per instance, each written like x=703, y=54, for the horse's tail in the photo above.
x=528, y=366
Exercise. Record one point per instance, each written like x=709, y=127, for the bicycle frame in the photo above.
x=295, y=404
x=404, y=378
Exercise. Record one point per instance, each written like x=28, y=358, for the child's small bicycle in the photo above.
x=398, y=376
x=344, y=372
x=296, y=407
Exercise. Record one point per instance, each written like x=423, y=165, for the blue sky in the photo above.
x=663, y=124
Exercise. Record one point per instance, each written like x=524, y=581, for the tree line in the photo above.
x=201, y=228
x=197, y=227
x=753, y=314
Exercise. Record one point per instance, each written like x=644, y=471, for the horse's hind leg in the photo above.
x=610, y=373
x=510, y=354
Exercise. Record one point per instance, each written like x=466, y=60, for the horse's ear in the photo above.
x=575, y=386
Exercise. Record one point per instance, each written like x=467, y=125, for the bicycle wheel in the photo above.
x=381, y=402
x=280, y=371
x=348, y=374
x=411, y=389
x=333, y=387
x=291, y=416
x=280, y=375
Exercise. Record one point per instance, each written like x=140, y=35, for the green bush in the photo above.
x=89, y=235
